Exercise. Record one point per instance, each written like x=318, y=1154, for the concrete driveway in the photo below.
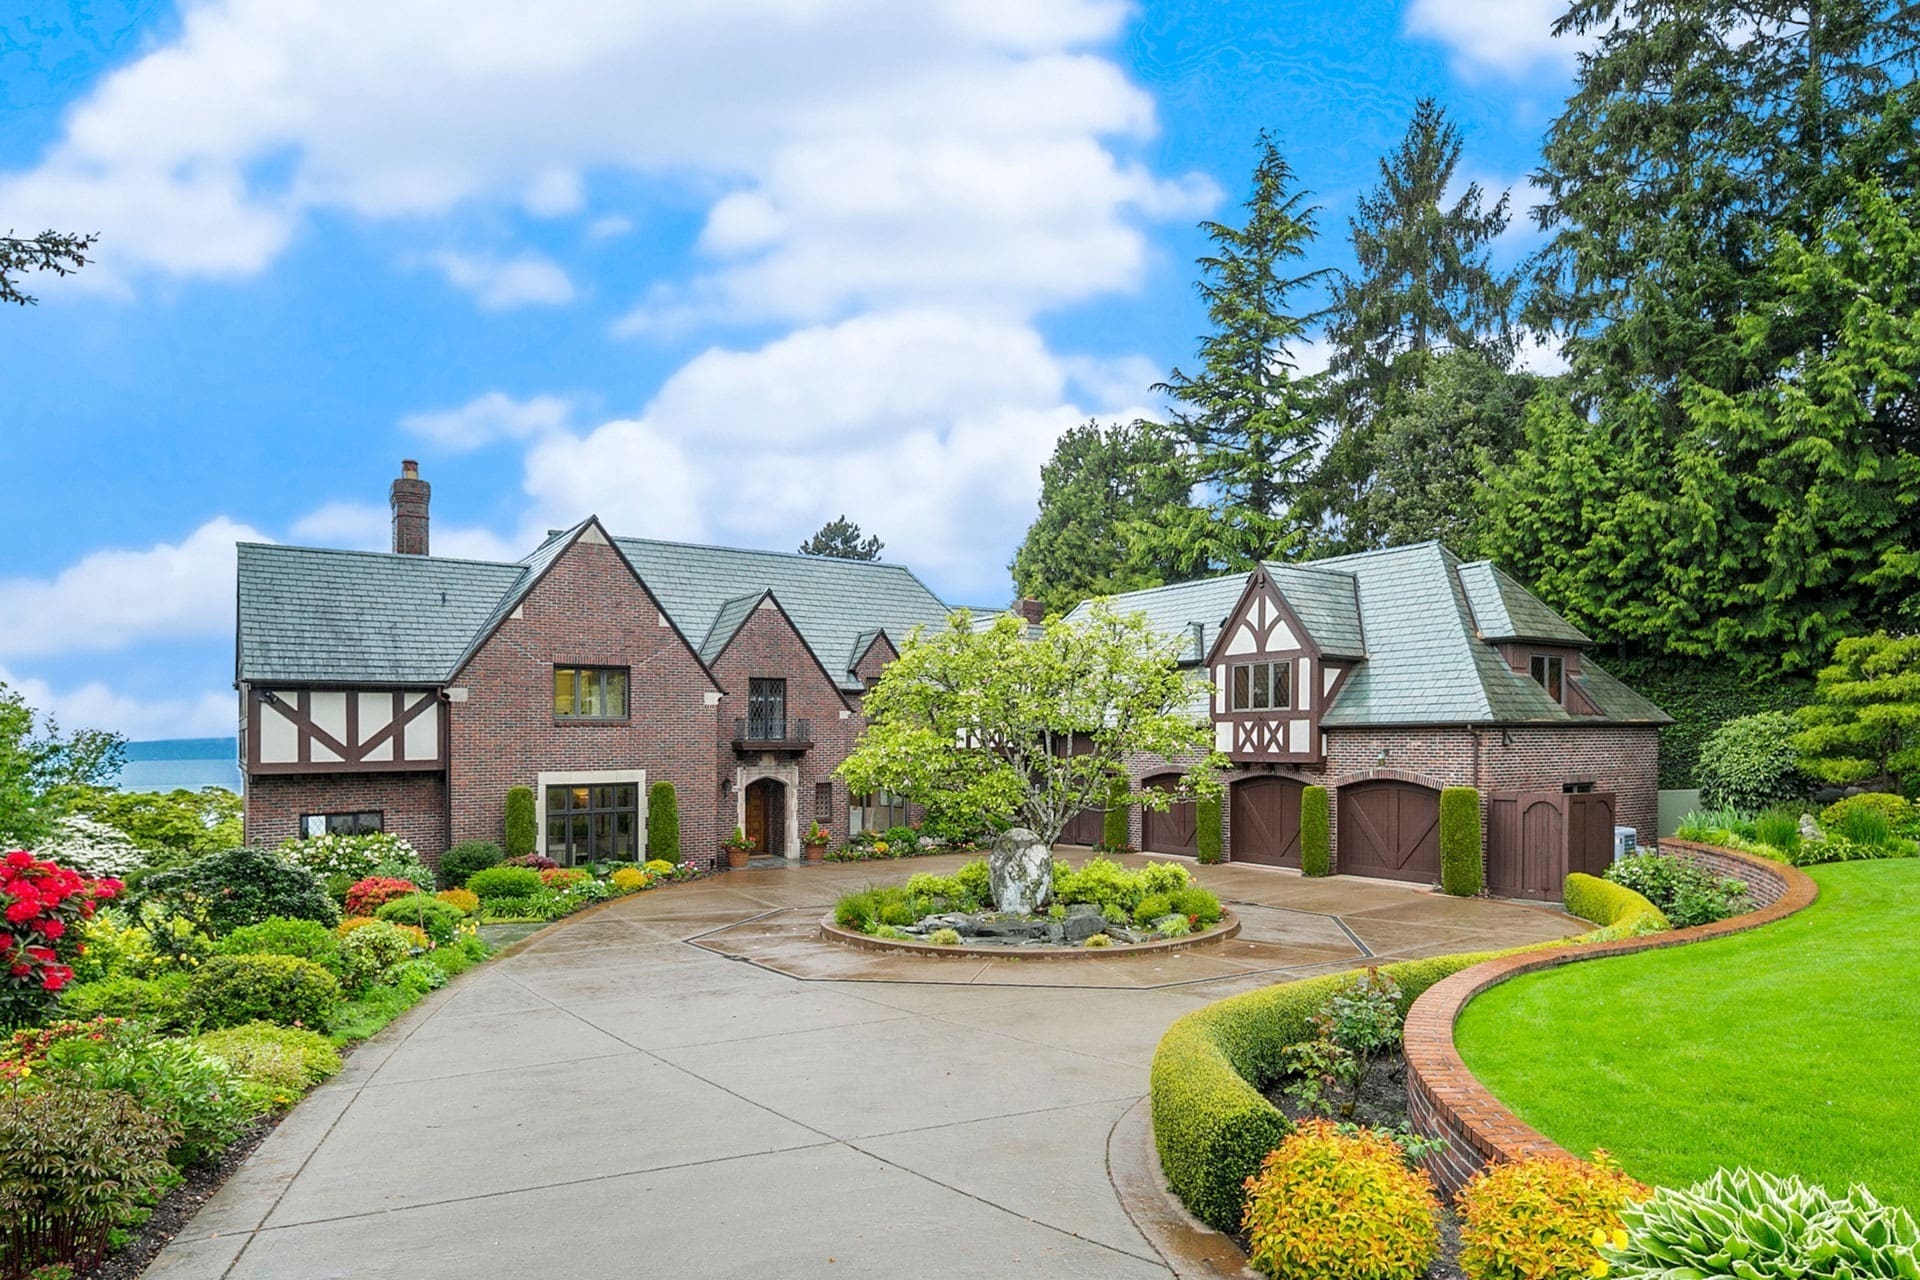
x=651, y=1090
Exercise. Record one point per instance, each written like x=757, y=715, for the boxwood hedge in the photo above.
x=1316, y=832
x=1460, y=841
x=1618, y=910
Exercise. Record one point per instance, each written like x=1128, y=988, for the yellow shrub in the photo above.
x=351, y=923
x=465, y=899
x=629, y=879
x=1538, y=1219
x=1332, y=1206
x=659, y=867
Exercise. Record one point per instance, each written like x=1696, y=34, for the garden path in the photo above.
x=618, y=1097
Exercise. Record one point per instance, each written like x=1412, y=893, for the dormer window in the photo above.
x=1262, y=686
x=1549, y=671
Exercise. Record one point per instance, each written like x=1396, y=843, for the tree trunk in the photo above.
x=1021, y=869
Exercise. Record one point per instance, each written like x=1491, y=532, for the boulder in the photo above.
x=1809, y=829
x=1082, y=922
x=1021, y=869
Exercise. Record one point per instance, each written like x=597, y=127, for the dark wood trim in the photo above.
x=351, y=761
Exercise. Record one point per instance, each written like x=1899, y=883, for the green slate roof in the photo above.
x=1505, y=610
x=1177, y=606
x=317, y=615
x=1328, y=606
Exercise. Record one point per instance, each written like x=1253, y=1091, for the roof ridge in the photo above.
x=382, y=555
x=758, y=551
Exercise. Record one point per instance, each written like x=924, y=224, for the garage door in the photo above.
x=1172, y=831
x=1389, y=829
x=1266, y=821
x=1085, y=827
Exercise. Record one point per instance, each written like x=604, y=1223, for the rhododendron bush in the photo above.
x=40, y=905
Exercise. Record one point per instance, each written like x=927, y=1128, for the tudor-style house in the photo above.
x=409, y=692
x=1385, y=677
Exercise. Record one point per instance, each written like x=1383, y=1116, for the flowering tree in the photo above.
x=40, y=903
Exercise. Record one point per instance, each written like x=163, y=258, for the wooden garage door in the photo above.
x=1389, y=829
x=1085, y=827
x=1266, y=821
x=1172, y=831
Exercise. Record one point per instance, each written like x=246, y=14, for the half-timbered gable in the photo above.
x=324, y=730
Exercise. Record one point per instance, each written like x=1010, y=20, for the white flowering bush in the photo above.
x=354, y=857
x=90, y=847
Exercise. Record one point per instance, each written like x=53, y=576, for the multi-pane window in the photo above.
x=766, y=710
x=365, y=822
x=1550, y=671
x=590, y=693
x=877, y=812
x=593, y=823
x=1262, y=686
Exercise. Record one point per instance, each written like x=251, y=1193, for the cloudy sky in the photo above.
x=714, y=269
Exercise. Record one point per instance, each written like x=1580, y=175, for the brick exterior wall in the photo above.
x=413, y=805
x=767, y=646
x=589, y=610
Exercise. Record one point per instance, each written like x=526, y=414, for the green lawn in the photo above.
x=1794, y=1048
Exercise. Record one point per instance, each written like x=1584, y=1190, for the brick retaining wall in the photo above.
x=1444, y=1100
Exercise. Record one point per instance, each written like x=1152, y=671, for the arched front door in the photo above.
x=1174, y=831
x=1266, y=821
x=766, y=824
x=1389, y=829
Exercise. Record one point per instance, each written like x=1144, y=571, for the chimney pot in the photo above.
x=1030, y=609
x=408, y=497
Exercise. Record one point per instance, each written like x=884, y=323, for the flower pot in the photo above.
x=815, y=852
x=737, y=858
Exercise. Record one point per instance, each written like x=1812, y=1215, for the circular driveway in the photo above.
x=685, y=1083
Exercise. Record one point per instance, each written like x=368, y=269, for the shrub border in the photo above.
x=1445, y=1100
x=1229, y=926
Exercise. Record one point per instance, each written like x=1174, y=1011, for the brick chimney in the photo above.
x=1030, y=609
x=408, y=497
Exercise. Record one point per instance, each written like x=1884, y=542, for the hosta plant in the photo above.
x=1755, y=1226
x=1537, y=1219
x=1329, y=1204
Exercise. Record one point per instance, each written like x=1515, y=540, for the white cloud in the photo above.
x=609, y=227
x=499, y=284
x=356, y=526
x=1511, y=37
x=111, y=599
x=96, y=706
x=638, y=480
x=487, y=418
x=1540, y=353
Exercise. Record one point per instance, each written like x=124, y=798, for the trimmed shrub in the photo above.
x=1207, y=834
x=504, y=882
x=1197, y=903
x=1751, y=764
x=1116, y=826
x=275, y=1064
x=439, y=920
x=74, y=1163
x=376, y=891
x=227, y=991
x=159, y=1003
x=1152, y=907
x=1316, y=832
x=376, y=947
x=467, y=857
x=1460, y=841
x=663, y=823
x=1329, y=1205
x=1609, y=905
x=1755, y=1226
x=1536, y=1218
x=629, y=879
x=308, y=939
x=226, y=891
x=522, y=829
x=465, y=901
x=655, y=867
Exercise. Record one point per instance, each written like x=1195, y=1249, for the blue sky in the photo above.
x=713, y=269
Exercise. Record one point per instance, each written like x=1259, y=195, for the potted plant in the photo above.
x=738, y=848
x=815, y=842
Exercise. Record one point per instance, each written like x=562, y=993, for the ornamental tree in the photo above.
x=1028, y=730
x=1864, y=724
x=40, y=905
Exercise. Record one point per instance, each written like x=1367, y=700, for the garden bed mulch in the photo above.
x=178, y=1207
x=1382, y=1104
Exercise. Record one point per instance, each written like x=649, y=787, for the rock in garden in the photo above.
x=1021, y=869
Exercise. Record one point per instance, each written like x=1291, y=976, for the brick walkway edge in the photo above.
x=1444, y=1100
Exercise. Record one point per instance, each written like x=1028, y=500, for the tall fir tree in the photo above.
x=1249, y=419
x=1424, y=285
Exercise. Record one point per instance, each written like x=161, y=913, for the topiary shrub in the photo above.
x=1207, y=833
x=1750, y=763
x=1755, y=1226
x=1612, y=906
x=467, y=857
x=1329, y=1205
x=227, y=991
x=1115, y=827
x=663, y=823
x=439, y=920
x=226, y=891
x=1539, y=1217
x=522, y=828
x=504, y=882
x=1460, y=871
x=308, y=939
x=1316, y=832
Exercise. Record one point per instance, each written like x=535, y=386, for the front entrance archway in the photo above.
x=768, y=813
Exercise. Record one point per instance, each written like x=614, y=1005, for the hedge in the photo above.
x=1211, y=1123
x=1618, y=910
x=1116, y=829
x=522, y=832
x=1206, y=815
x=1701, y=695
x=663, y=823
x=1316, y=834
x=1460, y=841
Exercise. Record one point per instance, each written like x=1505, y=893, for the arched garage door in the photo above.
x=1389, y=829
x=1172, y=831
x=1266, y=821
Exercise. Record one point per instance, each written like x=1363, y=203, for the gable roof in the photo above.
x=1505, y=610
x=1327, y=604
x=1176, y=607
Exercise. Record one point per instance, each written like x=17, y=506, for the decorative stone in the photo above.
x=1082, y=922
x=1809, y=829
x=1021, y=870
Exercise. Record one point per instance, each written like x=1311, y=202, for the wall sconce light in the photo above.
x=1506, y=738
x=1381, y=758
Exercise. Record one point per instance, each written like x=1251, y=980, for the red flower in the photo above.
x=22, y=911
x=51, y=928
x=19, y=858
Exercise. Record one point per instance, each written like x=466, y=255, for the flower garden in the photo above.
x=154, y=1025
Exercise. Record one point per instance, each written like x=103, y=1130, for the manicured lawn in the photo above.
x=1794, y=1048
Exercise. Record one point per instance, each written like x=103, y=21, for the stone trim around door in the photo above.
x=786, y=773
x=588, y=778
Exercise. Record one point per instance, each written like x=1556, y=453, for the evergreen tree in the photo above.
x=1249, y=420
x=839, y=539
x=1100, y=495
